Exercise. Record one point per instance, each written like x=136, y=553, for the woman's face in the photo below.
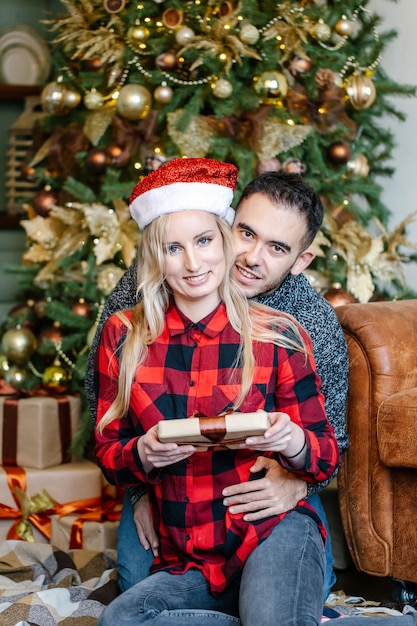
x=194, y=262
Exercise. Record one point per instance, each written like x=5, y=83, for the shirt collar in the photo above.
x=211, y=325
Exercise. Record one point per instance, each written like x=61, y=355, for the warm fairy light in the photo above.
x=223, y=57
x=346, y=202
x=290, y=122
x=137, y=166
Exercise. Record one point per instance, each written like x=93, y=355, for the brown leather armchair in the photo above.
x=378, y=478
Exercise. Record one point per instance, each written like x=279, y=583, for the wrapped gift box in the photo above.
x=94, y=535
x=65, y=484
x=225, y=430
x=36, y=432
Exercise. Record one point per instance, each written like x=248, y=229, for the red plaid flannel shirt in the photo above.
x=188, y=370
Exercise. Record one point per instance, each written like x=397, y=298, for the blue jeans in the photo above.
x=282, y=577
x=134, y=561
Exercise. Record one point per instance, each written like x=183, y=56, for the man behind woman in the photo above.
x=195, y=344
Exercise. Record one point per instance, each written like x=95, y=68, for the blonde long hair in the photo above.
x=253, y=321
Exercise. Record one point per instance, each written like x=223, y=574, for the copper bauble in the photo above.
x=133, y=102
x=44, y=201
x=294, y=166
x=56, y=378
x=338, y=296
x=114, y=151
x=28, y=173
x=270, y=165
x=18, y=345
x=39, y=308
x=166, y=61
x=48, y=338
x=81, y=308
x=361, y=91
x=300, y=65
x=163, y=94
x=96, y=161
x=17, y=376
x=339, y=153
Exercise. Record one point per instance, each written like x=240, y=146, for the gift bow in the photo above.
x=37, y=511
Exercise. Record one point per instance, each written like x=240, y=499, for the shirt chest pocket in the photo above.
x=225, y=396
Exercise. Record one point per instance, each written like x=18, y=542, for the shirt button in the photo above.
x=187, y=537
x=186, y=499
x=192, y=383
x=185, y=461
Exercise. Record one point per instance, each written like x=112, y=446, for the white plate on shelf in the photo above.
x=24, y=56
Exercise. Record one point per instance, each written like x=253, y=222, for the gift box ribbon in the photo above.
x=10, y=421
x=38, y=509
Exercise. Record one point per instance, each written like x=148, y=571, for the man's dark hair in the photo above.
x=291, y=191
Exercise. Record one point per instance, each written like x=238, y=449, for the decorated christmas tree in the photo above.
x=291, y=85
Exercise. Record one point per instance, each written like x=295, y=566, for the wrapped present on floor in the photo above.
x=71, y=532
x=227, y=430
x=36, y=432
x=29, y=497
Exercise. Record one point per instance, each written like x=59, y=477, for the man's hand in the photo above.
x=278, y=492
x=144, y=525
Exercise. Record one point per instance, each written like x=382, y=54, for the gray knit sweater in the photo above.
x=294, y=296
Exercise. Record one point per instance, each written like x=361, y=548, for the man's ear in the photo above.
x=303, y=261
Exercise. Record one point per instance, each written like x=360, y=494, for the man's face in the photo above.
x=267, y=241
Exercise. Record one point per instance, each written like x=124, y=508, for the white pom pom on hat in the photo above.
x=183, y=185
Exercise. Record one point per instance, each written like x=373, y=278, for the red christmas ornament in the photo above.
x=44, y=201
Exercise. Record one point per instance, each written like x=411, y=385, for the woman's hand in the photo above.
x=282, y=436
x=153, y=453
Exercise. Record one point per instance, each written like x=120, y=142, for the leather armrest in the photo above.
x=396, y=429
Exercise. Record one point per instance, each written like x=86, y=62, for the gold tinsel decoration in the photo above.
x=290, y=33
x=196, y=139
x=279, y=137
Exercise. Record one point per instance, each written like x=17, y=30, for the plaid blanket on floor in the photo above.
x=43, y=586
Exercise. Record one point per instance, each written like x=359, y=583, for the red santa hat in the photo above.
x=184, y=185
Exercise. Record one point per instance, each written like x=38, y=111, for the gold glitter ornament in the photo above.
x=19, y=344
x=17, y=376
x=134, y=102
x=184, y=35
x=248, y=33
x=359, y=165
x=93, y=99
x=53, y=98
x=361, y=91
x=321, y=31
x=343, y=26
x=222, y=88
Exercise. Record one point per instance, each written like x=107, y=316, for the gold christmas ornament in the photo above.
x=138, y=34
x=17, y=376
x=93, y=99
x=53, y=98
x=321, y=31
x=134, y=102
x=343, y=26
x=361, y=91
x=19, y=344
x=71, y=99
x=222, y=88
x=184, y=35
x=272, y=84
x=163, y=94
x=248, y=33
x=359, y=165
x=4, y=365
x=56, y=378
